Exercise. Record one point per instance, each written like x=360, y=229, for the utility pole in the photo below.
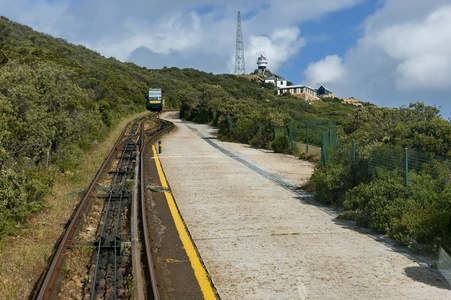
x=240, y=68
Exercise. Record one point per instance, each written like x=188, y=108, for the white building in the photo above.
x=262, y=63
x=297, y=89
x=278, y=82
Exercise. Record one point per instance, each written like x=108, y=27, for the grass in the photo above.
x=75, y=272
x=24, y=257
x=131, y=287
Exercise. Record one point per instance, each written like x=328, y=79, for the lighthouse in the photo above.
x=261, y=62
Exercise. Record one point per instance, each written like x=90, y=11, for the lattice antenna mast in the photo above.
x=240, y=68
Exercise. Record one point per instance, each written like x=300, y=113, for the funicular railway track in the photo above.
x=100, y=255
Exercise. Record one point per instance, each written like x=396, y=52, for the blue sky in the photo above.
x=388, y=52
x=341, y=28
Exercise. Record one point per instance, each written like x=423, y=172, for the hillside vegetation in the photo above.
x=58, y=100
x=399, y=183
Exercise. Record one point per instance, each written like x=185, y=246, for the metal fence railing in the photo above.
x=304, y=135
x=402, y=160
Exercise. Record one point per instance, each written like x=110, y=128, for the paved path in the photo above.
x=261, y=239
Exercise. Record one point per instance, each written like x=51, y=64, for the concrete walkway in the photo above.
x=260, y=239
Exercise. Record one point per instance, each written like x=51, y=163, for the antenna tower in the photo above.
x=240, y=68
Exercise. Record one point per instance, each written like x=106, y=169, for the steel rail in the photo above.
x=118, y=181
x=48, y=287
x=146, y=235
x=48, y=283
x=145, y=227
x=134, y=233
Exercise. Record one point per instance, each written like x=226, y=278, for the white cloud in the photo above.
x=32, y=13
x=422, y=50
x=278, y=47
x=180, y=33
x=198, y=27
x=403, y=52
x=286, y=13
x=326, y=71
x=403, y=56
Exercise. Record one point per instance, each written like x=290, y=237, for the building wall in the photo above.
x=281, y=83
x=270, y=81
x=277, y=82
x=323, y=91
x=297, y=89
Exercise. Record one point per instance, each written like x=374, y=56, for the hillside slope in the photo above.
x=58, y=100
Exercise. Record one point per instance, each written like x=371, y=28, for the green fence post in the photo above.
x=330, y=137
x=306, y=144
x=336, y=137
x=290, y=137
x=353, y=155
x=406, y=163
x=323, y=150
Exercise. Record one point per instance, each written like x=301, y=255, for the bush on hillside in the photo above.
x=280, y=144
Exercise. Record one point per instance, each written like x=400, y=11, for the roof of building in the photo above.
x=296, y=86
x=322, y=86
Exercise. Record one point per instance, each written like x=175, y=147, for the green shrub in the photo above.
x=280, y=144
x=331, y=183
x=309, y=157
x=377, y=202
x=21, y=193
x=427, y=217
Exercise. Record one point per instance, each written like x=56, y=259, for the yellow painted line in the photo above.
x=199, y=271
x=192, y=156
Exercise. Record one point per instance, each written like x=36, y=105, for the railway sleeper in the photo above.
x=111, y=259
x=122, y=171
x=118, y=244
x=115, y=196
x=127, y=156
x=129, y=148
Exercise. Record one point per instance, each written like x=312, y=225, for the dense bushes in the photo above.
x=420, y=217
x=378, y=202
x=253, y=117
x=331, y=185
x=56, y=100
x=373, y=191
x=280, y=144
x=21, y=193
x=418, y=127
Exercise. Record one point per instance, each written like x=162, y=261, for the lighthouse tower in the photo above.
x=261, y=62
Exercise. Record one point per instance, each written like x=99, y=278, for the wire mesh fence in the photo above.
x=304, y=135
x=395, y=190
x=329, y=140
x=310, y=130
x=386, y=157
x=403, y=162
